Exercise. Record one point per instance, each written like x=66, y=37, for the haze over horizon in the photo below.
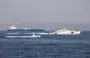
x=50, y=13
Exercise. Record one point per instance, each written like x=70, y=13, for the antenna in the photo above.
x=42, y=27
x=62, y=26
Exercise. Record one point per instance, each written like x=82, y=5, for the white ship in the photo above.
x=65, y=31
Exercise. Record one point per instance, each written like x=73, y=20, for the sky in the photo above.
x=49, y=13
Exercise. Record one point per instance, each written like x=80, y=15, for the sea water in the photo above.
x=62, y=47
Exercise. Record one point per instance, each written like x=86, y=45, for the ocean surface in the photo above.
x=49, y=47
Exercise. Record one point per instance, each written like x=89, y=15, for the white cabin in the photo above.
x=12, y=27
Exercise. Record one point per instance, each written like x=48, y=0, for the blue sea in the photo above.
x=49, y=47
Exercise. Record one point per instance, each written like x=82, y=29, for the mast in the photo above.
x=61, y=27
x=42, y=27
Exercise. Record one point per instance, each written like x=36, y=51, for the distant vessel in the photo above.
x=13, y=31
x=64, y=31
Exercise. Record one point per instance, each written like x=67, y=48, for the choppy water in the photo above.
x=46, y=47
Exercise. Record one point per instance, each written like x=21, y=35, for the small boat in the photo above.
x=35, y=36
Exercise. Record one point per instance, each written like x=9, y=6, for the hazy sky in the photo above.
x=50, y=13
